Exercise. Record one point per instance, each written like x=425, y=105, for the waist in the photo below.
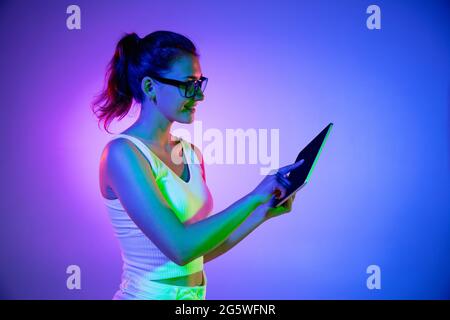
x=158, y=267
x=191, y=280
x=141, y=286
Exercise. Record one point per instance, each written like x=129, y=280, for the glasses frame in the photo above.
x=186, y=84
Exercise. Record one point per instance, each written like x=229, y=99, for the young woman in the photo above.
x=154, y=184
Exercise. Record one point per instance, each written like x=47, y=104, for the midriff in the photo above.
x=191, y=280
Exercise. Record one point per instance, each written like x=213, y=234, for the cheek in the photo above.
x=178, y=102
x=173, y=105
x=171, y=100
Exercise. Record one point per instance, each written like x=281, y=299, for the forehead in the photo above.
x=185, y=66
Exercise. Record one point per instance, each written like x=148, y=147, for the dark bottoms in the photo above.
x=151, y=290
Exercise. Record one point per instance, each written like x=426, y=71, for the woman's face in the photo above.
x=170, y=99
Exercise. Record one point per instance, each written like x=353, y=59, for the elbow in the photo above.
x=184, y=252
x=174, y=255
x=175, y=249
x=183, y=257
x=177, y=258
x=181, y=261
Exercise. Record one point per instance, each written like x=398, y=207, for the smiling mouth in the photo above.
x=191, y=108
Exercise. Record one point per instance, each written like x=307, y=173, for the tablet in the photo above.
x=300, y=176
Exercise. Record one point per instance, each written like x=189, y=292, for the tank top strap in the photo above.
x=149, y=155
x=190, y=156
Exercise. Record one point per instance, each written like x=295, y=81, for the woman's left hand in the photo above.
x=271, y=212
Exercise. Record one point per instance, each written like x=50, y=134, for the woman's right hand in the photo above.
x=275, y=184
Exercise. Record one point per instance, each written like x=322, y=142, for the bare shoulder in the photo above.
x=118, y=148
x=114, y=151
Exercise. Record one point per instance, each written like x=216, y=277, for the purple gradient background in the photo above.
x=380, y=192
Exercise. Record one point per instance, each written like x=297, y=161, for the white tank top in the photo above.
x=190, y=201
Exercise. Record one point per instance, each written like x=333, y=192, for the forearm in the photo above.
x=250, y=224
x=209, y=233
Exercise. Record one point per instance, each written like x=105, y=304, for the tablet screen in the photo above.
x=300, y=176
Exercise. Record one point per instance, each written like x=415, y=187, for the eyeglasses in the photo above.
x=190, y=87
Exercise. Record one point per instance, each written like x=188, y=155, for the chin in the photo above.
x=190, y=120
x=186, y=120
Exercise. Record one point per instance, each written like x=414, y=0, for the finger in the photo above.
x=277, y=193
x=284, y=181
x=289, y=206
x=288, y=203
x=279, y=210
x=290, y=167
x=282, y=191
x=284, y=208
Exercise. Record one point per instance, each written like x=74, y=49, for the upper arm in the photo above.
x=131, y=178
x=200, y=156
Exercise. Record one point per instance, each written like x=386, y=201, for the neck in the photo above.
x=152, y=126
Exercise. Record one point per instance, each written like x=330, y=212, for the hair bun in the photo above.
x=129, y=46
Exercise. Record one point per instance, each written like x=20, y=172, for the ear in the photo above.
x=148, y=89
